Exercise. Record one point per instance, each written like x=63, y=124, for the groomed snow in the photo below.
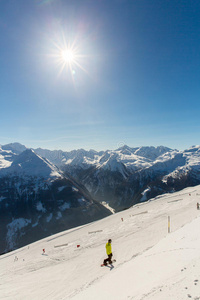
x=152, y=264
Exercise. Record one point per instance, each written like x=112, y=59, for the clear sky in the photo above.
x=100, y=73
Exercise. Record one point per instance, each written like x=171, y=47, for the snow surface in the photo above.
x=40, y=207
x=152, y=264
x=61, y=188
x=4, y=163
x=65, y=206
x=144, y=194
x=108, y=207
x=74, y=189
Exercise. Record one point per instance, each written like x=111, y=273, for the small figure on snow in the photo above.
x=43, y=251
x=198, y=205
x=109, y=253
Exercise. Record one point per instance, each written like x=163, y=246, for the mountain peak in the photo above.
x=16, y=148
x=30, y=163
x=127, y=150
x=152, y=152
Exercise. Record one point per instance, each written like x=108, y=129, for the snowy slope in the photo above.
x=6, y=158
x=152, y=264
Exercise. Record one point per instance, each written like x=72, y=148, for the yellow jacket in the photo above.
x=108, y=248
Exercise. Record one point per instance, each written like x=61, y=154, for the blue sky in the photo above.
x=134, y=78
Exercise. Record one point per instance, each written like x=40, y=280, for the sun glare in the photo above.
x=68, y=56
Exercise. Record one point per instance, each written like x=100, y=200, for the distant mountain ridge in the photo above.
x=125, y=176
x=91, y=156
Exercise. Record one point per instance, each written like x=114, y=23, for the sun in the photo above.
x=68, y=56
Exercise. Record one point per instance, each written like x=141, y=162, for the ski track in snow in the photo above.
x=150, y=263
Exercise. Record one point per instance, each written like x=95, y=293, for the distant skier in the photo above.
x=109, y=253
x=198, y=205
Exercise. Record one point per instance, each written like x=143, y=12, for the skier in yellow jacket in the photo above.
x=109, y=253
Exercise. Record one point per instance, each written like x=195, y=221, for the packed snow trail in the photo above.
x=148, y=258
x=148, y=275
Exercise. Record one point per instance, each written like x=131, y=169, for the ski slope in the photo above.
x=152, y=264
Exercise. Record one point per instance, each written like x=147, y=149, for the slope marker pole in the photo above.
x=168, y=224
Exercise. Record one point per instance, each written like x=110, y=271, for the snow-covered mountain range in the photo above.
x=55, y=190
x=127, y=175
